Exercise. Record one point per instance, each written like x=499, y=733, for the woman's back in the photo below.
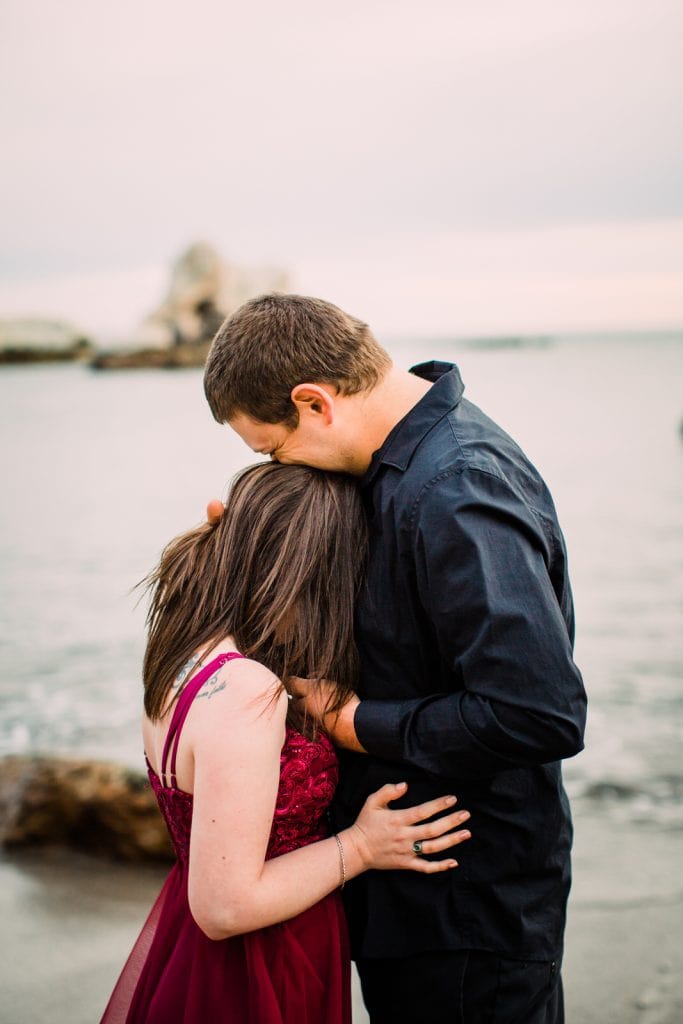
x=296, y=971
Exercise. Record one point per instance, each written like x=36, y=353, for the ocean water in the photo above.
x=100, y=470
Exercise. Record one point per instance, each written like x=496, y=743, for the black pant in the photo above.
x=461, y=987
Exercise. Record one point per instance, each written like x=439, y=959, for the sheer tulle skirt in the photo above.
x=297, y=972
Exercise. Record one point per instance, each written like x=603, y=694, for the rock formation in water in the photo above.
x=42, y=341
x=95, y=806
x=203, y=291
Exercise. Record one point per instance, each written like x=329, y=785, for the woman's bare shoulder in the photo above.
x=242, y=688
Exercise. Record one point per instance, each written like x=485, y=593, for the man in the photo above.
x=465, y=630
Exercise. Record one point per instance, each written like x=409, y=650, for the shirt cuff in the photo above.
x=378, y=727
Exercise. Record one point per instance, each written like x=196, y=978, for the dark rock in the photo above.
x=178, y=357
x=42, y=341
x=95, y=806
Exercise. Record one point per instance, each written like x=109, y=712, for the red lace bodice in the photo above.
x=308, y=776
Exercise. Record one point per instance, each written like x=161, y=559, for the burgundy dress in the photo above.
x=296, y=972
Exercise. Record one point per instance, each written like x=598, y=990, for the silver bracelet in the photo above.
x=341, y=860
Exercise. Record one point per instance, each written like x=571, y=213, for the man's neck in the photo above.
x=386, y=405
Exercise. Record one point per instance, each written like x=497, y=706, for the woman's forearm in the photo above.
x=286, y=886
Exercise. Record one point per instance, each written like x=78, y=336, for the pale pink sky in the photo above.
x=432, y=166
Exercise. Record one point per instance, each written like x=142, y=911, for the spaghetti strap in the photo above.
x=183, y=705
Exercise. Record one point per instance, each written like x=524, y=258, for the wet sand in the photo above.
x=67, y=923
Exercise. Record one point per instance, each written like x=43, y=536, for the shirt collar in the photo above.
x=445, y=393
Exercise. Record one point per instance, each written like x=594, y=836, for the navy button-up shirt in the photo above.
x=468, y=685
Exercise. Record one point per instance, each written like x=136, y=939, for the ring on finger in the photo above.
x=417, y=847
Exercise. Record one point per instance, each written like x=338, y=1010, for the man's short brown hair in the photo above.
x=274, y=342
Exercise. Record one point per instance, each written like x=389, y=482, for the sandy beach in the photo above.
x=67, y=923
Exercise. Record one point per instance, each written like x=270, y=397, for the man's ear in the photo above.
x=314, y=399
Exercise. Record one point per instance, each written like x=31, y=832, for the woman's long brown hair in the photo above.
x=279, y=574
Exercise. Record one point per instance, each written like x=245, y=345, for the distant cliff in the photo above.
x=203, y=290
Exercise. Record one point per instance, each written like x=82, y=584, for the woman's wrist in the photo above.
x=357, y=856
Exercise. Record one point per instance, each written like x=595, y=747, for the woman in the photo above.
x=249, y=926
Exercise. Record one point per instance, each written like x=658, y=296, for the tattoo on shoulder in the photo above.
x=212, y=685
x=185, y=671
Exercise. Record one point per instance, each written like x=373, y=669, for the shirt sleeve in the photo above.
x=481, y=560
